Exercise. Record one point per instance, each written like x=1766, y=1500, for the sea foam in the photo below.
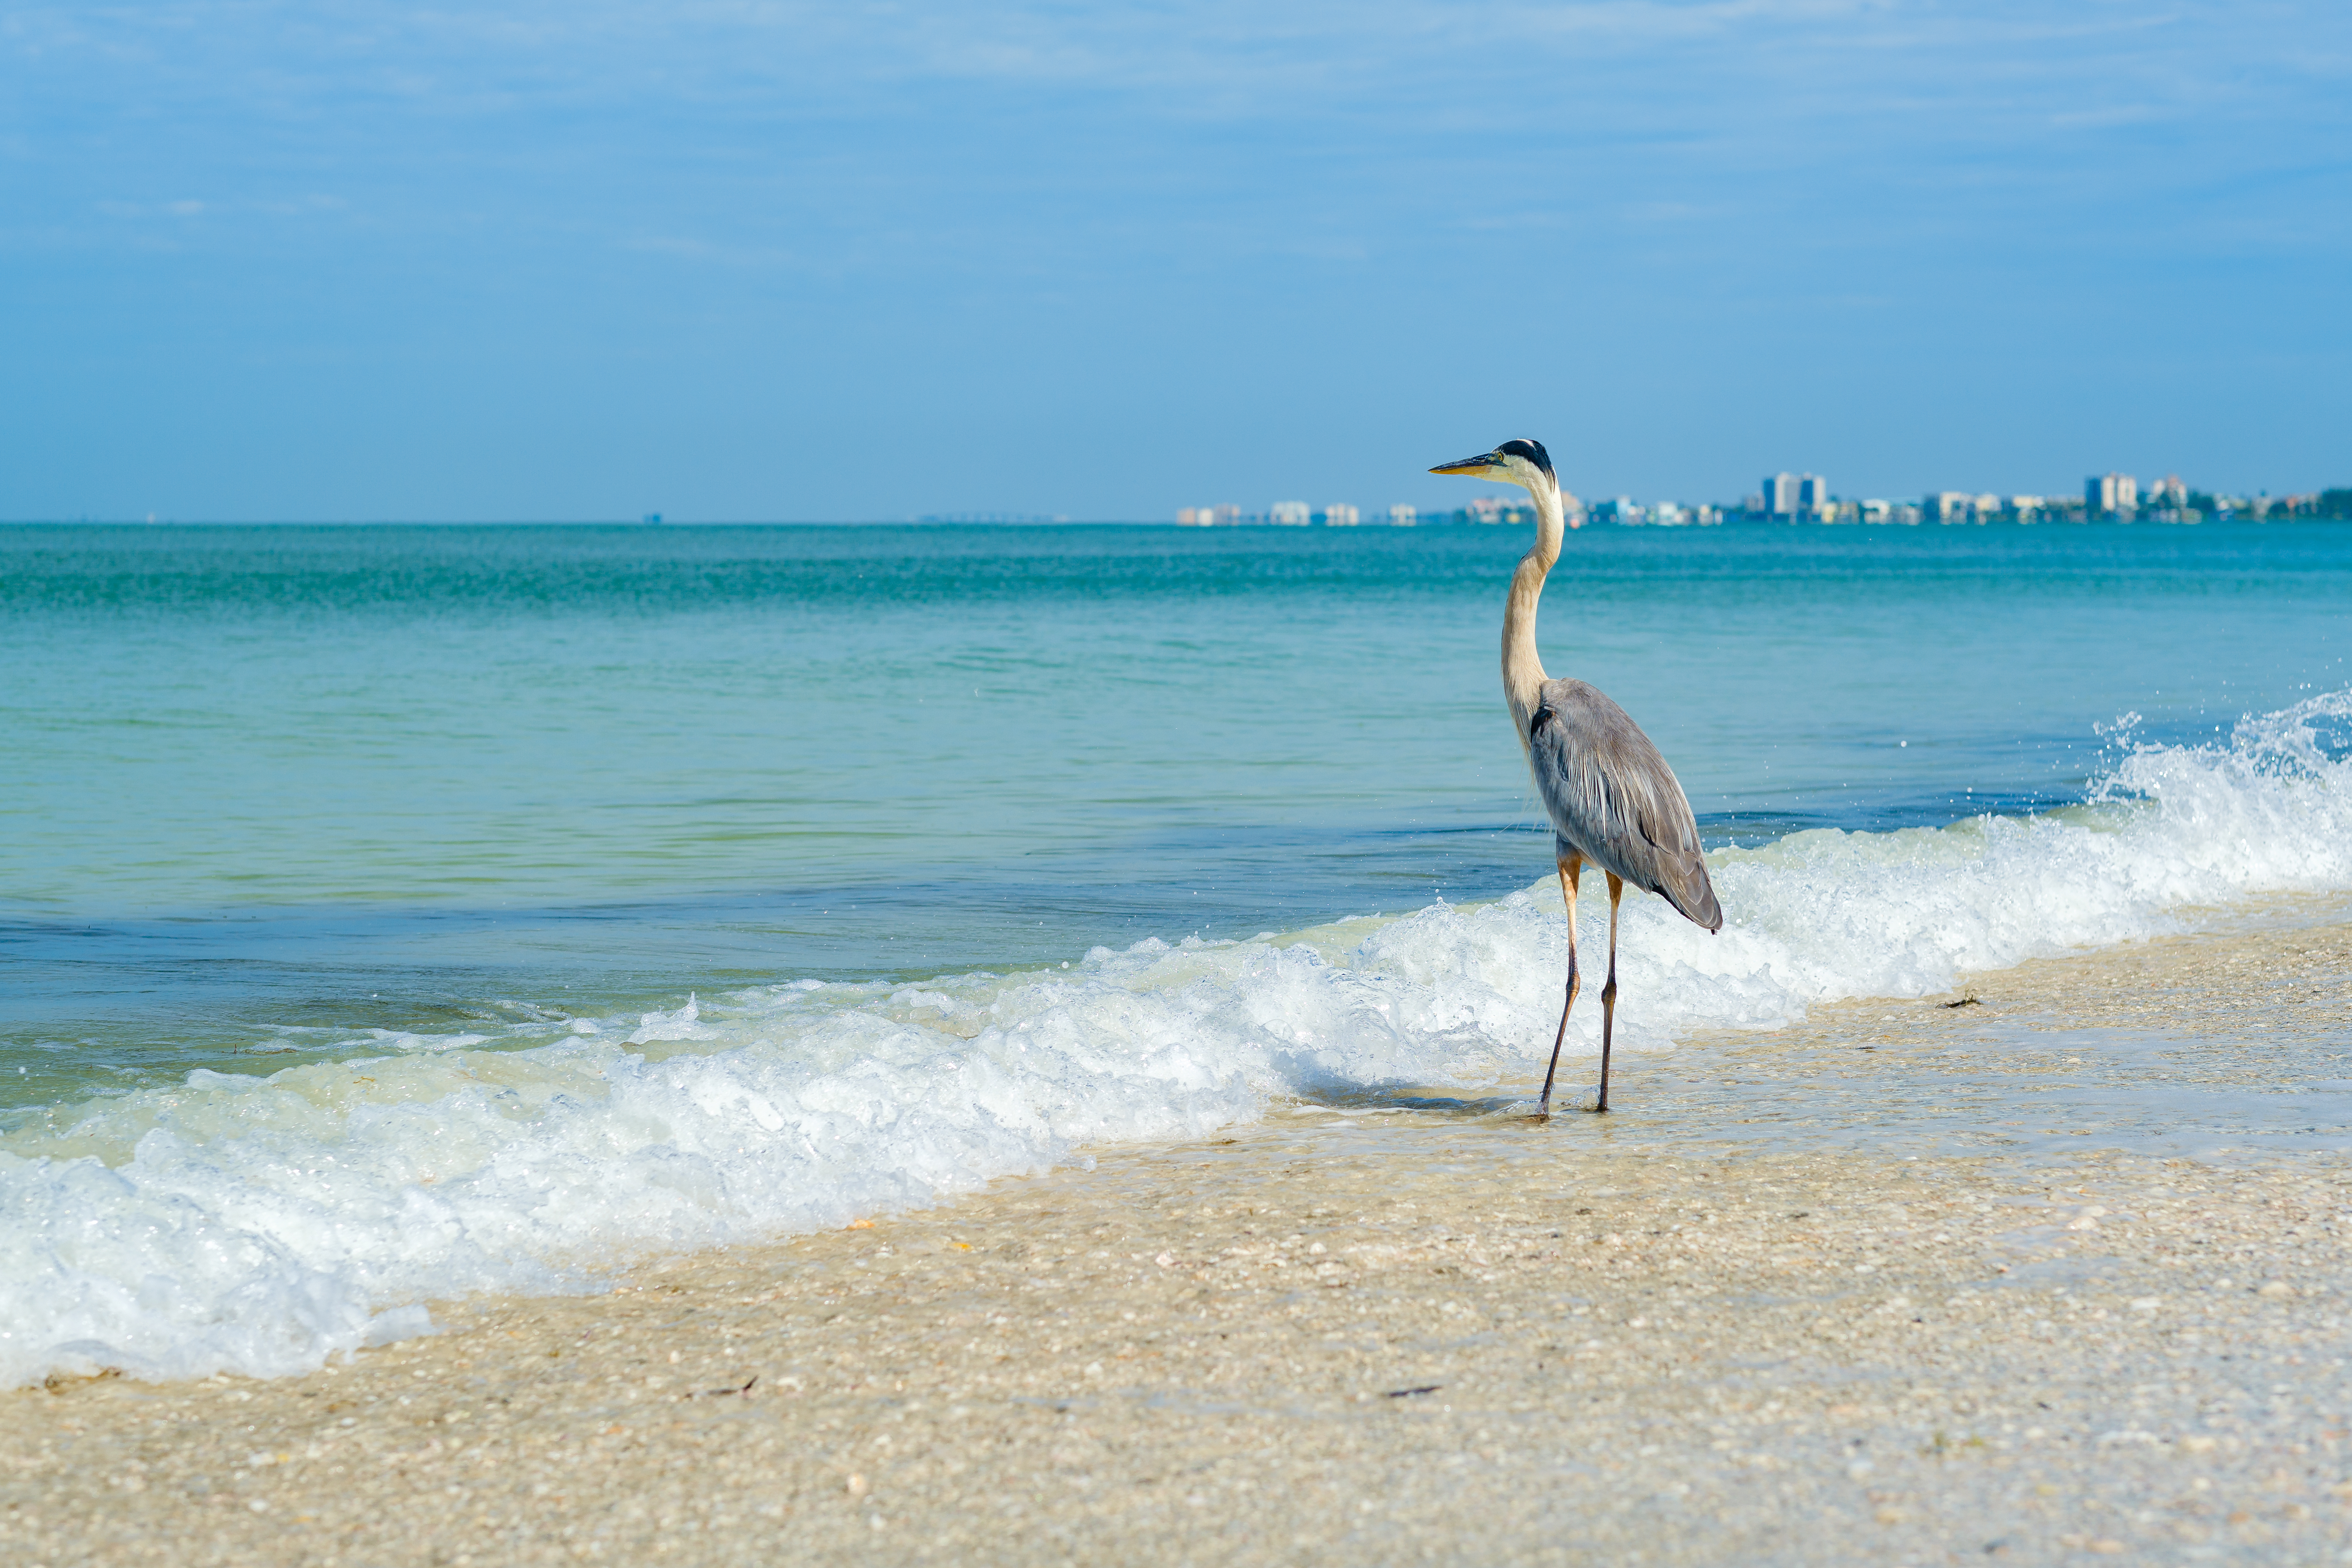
x=261, y=1224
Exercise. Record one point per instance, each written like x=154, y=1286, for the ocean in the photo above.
x=393, y=913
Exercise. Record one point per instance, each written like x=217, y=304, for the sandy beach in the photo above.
x=1723, y=1325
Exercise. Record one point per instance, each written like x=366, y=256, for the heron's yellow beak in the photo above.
x=1485, y=465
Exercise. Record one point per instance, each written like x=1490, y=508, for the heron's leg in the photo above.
x=1571, y=870
x=1608, y=991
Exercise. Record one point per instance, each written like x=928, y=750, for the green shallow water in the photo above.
x=263, y=787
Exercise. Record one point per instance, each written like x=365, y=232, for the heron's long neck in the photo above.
x=1523, y=670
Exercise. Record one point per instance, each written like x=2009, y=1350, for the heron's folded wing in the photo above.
x=1611, y=796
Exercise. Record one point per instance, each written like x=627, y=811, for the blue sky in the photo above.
x=772, y=260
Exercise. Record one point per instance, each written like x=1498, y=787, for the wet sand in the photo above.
x=1410, y=1328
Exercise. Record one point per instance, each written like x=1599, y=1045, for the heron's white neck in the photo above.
x=1523, y=671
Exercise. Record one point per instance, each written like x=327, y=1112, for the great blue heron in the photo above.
x=1611, y=798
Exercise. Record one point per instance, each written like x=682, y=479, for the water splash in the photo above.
x=261, y=1224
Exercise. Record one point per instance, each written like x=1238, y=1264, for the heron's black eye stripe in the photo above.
x=1532, y=451
x=1537, y=722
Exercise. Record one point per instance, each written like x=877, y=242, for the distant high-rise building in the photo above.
x=1403, y=516
x=1195, y=516
x=2168, y=491
x=1340, y=514
x=2110, y=495
x=1794, y=495
x=1946, y=506
x=1291, y=513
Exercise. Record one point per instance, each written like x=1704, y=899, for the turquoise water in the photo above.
x=389, y=914
x=264, y=787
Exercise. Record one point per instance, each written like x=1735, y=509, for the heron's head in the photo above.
x=1521, y=462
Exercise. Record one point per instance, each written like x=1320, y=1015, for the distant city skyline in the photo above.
x=1787, y=497
x=1781, y=498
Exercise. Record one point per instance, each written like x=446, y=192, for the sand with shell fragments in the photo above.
x=1388, y=1331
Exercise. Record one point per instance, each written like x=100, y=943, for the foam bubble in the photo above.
x=260, y=1224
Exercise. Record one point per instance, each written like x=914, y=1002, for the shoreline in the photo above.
x=1397, y=1327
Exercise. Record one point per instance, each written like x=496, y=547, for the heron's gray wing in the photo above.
x=1613, y=801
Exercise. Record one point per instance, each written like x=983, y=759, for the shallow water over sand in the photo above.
x=2229, y=1048
x=473, y=908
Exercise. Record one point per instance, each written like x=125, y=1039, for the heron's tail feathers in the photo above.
x=1682, y=882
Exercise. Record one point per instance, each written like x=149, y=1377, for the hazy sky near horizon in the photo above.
x=766, y=259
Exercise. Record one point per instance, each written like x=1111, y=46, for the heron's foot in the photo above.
x=1540, y=1117
x=1597, y=1110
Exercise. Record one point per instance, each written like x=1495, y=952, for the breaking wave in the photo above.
x=260, y=1224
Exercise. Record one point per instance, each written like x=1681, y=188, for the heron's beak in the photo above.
x=1483, y=465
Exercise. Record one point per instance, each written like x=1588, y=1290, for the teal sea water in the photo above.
x=388, y=912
